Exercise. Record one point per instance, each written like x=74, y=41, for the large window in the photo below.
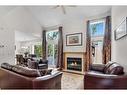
x=97, y=28
x=52, y=45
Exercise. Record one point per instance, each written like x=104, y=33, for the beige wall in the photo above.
x=119, y=47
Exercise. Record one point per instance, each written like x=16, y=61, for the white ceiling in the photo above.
x=33, y=19
x=4, y=10
x=56, y=16
x=21, y=36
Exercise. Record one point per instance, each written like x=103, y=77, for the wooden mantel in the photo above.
x=81, y=54
x=74, y=52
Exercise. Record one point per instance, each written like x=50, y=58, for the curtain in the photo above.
x=44, y=44
x=107, y=41
x=88, y=47
x=60, y=50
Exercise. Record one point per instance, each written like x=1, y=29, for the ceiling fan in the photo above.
x=63, y=8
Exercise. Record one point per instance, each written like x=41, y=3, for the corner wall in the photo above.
x=119, y=47
x=7, y=53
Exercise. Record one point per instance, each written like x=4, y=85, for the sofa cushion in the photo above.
x=107, y=66
x=31, y=72
x=45, y=71
x=115, y=69
x=26, y=71
x=6, y=66
x=97, y=67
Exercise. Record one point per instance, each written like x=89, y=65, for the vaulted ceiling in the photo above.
x=49, y=16
x=32, y=19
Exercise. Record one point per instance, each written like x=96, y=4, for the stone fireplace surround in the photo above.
x=74, y=55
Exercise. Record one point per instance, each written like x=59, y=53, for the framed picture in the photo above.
x=121, y=30
x=74, y=39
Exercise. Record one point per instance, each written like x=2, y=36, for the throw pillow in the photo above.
x=107, y=66
x=6, y=66
x=45, y=71
x=115, y=69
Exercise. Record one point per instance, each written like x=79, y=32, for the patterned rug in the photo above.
x=72, y=81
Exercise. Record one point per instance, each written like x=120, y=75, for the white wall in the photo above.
x=74, y=26
x=17, y=19
x=78, y=25
x=22, y=20
x=119, y=47
x=7, y=53
x=17, y=47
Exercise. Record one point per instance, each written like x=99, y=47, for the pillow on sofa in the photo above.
x=45, y=72
x=115, y=69
x=6, y=66
x=107, y=66
x=26, y=71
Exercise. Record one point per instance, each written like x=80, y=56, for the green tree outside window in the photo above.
x=38, y=50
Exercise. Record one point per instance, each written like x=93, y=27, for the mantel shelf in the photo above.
x=74, y=52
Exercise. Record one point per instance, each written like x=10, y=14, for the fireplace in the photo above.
x=74, y=63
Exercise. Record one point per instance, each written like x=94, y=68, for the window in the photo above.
x=38, y=50
x=97, y=28
x=52, y=35
x=52, y=45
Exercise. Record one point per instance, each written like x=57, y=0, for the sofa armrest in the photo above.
x=97, y=67
x=52, y=81
x=104, y=81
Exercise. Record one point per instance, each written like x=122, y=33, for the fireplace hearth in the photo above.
x=74, y=64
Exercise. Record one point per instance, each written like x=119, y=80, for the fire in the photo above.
x=74, y=63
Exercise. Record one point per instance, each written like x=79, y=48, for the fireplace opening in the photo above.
x=74, y=64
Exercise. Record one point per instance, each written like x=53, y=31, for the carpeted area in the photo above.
x=72, y=81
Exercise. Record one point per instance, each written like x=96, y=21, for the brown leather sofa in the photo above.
x=109, y=76
x=17, y=77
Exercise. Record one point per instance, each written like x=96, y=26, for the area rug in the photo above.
x=72, y=81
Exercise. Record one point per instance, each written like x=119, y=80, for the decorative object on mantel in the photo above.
x=121, y=30
x=74, y=39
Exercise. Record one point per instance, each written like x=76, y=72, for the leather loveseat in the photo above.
x=18, y=77
x=109, y=76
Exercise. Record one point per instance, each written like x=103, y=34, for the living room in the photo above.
x=58, y=36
